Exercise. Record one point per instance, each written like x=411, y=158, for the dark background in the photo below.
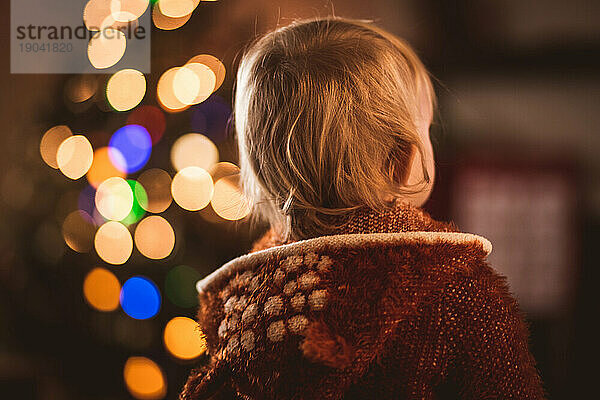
x=518, y=85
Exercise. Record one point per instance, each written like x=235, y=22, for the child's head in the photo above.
x=332, y=115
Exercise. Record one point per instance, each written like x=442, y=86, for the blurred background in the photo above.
x=119, y=192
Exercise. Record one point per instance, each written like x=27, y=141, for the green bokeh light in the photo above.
x=140, y=200
x=180, y=286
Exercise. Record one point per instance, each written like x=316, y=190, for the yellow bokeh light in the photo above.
x=177, y=8
x=101, y=289
x=102, y=167
x=128, y=10
x=194, y=149
x=218, y=171
x=126, y=89
x=194, y=83
x=99, y=14
x=223, y=169
x=163, y=22
x=114, y=198
x=51, y=141
x=154, y=237
x=165, y=93
x=157, y=184
x=78, y=231
x=214, y=64
x=228, y=200
x=96, y=14
x=113, y=243
x=192, y=188
x=74, y=156
x=184, y=339
x=144, y=379
x=186, y=85
x=106, y=48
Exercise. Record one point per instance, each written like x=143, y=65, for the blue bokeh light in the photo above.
x=211, y=118
x=140, y=298
x=87, y=205
x=86, y=200
x=130, y=147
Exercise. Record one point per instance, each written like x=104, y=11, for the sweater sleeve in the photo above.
x=493, y=360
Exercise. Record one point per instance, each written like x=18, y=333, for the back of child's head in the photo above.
x=326, y=113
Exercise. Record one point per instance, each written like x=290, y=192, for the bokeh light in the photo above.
x=140, y=203
x=78, y=231
x=125, y=89
x=114, y=198
x=212, y=118
x=193, y=83
x=130, y=148
x=186, y=85
x=223, y=169
x=140, y=298
x=99, y=14
x=151, y=118
x=214, y=64
x=86, y=202
x=103, y=168
x=81, y=88
x=192, y=188
x=128, y=10
x=194, y=149
x=177, y=8
x=50, y=142
x=144, y=379
x=166, y=94
x=218, y=171
x=157, y=184
x=163, y=22
x=96, y=14
x=184, y=339
x=106, y=48
x=228, y=201
x=180, y=286
x=154, y=237
x=101, y=289
x=206, y=78
x=113, y=243
x=74, y=156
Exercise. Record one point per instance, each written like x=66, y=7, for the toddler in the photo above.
x=355, y=292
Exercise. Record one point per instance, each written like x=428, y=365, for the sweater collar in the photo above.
x=402, y=225
x=401, y=217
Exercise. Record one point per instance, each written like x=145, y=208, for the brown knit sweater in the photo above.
x=392, y=306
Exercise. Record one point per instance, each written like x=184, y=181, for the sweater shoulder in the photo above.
x=324, y=303
x=306, y=280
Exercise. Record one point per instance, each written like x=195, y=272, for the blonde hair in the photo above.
x=326, y=115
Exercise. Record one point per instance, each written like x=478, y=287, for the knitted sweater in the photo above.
x=390, y=306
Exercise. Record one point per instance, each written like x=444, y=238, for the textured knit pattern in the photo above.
x=378, y=320
x=252, y=321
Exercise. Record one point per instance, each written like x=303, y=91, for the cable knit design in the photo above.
x=390, y=306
